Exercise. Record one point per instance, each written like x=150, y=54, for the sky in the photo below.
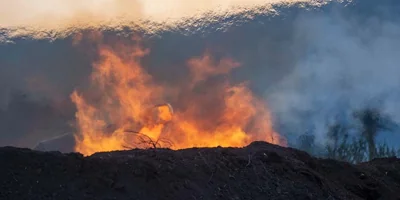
x=310, y=60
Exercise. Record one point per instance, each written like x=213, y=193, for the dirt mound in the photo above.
x=258, y=171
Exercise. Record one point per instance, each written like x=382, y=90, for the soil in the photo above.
x=258, y=171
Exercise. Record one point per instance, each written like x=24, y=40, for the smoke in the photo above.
x=311, y=65
x=347, y=63
x=53, y=19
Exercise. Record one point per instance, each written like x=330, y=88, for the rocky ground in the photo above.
x=258, y=171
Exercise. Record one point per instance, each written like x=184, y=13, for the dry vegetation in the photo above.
x=354, y=148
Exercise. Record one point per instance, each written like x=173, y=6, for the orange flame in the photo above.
x=126, y=108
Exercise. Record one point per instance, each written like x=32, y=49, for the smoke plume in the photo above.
x=311, y=63
x=348, y=61
x=59, y=18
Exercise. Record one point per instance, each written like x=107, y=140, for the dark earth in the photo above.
x=258, y=171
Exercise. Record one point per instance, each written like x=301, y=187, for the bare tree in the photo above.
x=335, y=133
x=372, y=121
x=145, y=141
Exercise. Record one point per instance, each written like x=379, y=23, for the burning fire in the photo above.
x=126, y=108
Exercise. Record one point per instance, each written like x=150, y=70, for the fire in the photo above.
x=126, y=108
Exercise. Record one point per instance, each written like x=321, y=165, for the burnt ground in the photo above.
x=258, y=171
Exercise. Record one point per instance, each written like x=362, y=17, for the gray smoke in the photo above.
x=311, y=64
x=347, y=63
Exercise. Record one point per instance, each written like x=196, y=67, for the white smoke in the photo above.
x=58, y=18
x=338, y=62
x=345, y=65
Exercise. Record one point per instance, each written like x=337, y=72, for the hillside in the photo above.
x=258, y=171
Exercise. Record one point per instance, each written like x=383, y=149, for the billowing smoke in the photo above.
x=312, y=64
x=348, y=61
x=59, y=18
x=40, y=64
